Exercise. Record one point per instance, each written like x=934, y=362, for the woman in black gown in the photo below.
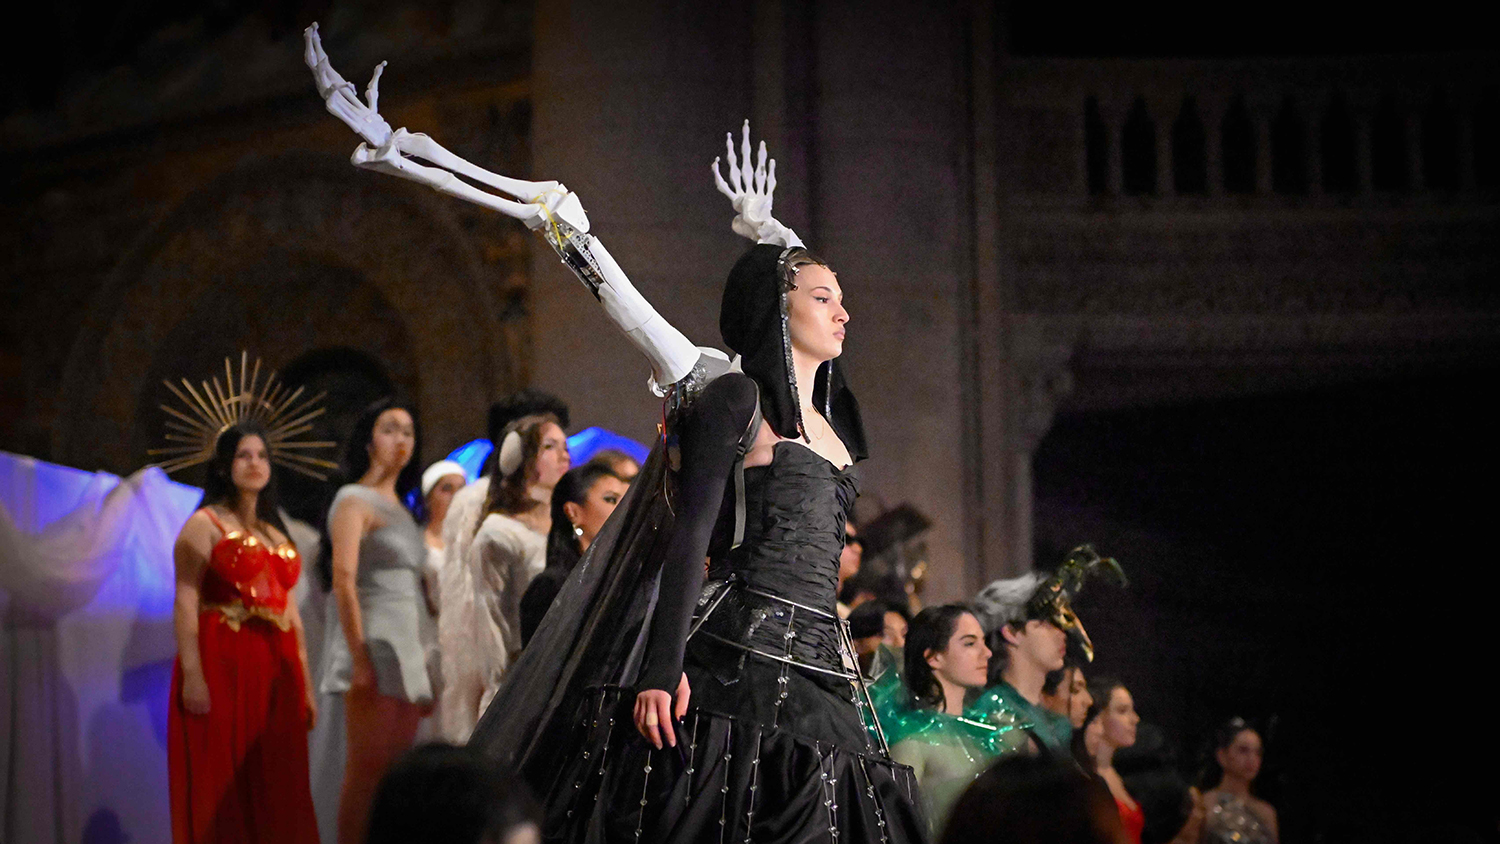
x=749, y=723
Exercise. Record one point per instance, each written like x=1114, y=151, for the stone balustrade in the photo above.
x=1296, y=131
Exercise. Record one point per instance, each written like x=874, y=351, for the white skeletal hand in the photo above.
x=546, y=207
x=340, y=96
x=395, y=152
x=751, y=188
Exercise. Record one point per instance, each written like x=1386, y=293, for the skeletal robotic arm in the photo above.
x=547, y=207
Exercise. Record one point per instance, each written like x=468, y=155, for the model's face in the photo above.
x=441, y=495
x=895, y=630
x=1080, y=700
x=551, y=458
x=1041, y=644
x=598, y=503
x=1243, y=756
x=966, y=660
x=1118, y=720
x=251, y=469
x=393, y=440
x=853, y=553
x=815, y=313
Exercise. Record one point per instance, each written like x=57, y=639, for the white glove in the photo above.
x=750, y=189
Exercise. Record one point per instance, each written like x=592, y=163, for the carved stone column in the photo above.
x=1113, y=114
x=1411, y=121
x=1315, y=106
x=1163, y=108
x=1468, y=179
x=784, y=51
x=891, y=208
x=1212, y=107
x=1262, y=109
x=1362, y=109
x=1042, y=381
x=618, y=118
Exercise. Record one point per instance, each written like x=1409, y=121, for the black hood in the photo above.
x=753, y=322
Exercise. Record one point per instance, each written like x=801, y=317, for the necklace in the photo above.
x=810, y=413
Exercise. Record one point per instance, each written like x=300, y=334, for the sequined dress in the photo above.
x=239, y=773
x=1231, y=820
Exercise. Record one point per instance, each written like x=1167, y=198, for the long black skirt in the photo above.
x=804, y=771
x=745, y=769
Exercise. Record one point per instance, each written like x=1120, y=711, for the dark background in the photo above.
x=1322, y=560
x=1319, y=562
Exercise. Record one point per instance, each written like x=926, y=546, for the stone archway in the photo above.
x=284, y=255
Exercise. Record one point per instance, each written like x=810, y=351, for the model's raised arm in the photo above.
x=546, y=207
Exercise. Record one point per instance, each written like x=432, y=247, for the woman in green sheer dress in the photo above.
x=928, y=713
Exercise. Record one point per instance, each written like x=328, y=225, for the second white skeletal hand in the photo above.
x=547, y=207
x=750, y=190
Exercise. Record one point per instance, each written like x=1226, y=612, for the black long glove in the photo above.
x=709, y=437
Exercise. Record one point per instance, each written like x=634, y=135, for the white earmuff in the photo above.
x=511, y=453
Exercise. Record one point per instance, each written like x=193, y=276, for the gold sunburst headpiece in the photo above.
x=218, y=407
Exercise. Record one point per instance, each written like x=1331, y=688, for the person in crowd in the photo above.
x=453, y=795
x=896, y=625
x=620, y=464
x=1030, y=623
x=1232, y=812
x=849, y=560
x=582, y=501
x=241, y=700
x=1110, y=725
x=1034, y=800
x=1173, y=809
x=1028, y=644
x=926, y=714
x=440, y=482
x=881, y=637
x=378, y=652
x=1066, y=693
x=510, y=547
x=457, y=614
x=867, y=629
x=857, y=590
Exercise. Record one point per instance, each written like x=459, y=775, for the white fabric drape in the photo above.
x=86, y=651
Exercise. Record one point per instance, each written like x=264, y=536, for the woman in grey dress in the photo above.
x=376, y=653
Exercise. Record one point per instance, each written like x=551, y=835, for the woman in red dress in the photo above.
x=1109, y=726
x=241, y=703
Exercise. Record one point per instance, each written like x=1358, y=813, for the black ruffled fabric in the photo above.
x=796, y=507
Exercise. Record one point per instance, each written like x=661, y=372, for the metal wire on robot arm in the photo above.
x=547, y=207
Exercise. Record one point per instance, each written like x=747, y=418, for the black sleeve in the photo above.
x=709, y=437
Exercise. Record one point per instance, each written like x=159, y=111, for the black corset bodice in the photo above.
x=783, y=577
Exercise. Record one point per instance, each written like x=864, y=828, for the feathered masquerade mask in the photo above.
x=1032, y=597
